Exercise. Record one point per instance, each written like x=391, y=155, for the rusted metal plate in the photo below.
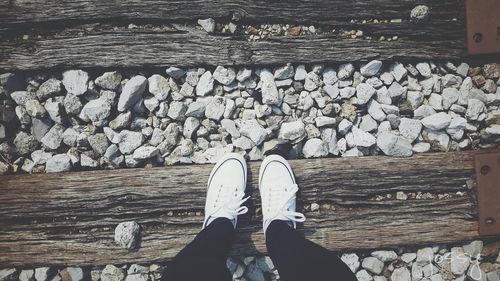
x=488, y=192
x=483, y=26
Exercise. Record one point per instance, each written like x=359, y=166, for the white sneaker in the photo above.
x=226, y=189
x=278, y=192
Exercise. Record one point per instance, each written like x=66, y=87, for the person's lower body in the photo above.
x=296, y=258
x=205, y=257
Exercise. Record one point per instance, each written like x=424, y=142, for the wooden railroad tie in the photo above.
x=69, y=218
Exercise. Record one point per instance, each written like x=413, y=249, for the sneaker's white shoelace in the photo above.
x=230, y=208
x=283, y=199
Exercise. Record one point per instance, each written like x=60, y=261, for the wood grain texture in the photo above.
x=32, y=12
x=191, y=47
x=69, y=218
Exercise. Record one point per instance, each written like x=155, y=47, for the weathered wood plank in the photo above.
x=190, y=47
x=331, y=12
x=69, y=218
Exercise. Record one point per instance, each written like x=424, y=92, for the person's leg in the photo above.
x=298, y=259
x=205, y=257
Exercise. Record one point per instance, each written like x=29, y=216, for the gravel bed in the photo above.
x=477, y=260
x=79, y=120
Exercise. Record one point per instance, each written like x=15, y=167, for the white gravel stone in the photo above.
x=270, y=93
x=450, y=96
x=415, y=99
x=74, y=273
x=230, y=127
x=127, y=235
x=332, y=91
x=35, y=109
x=315, y=148
x=410, y=128
x=205, y=84
x=493, y=130
x=132, y=92
x=21, y=97
x=396, y=90
x=385, y=256
x=437, y=121
x=112, y=273
x=159, y=87
x=424, y=69
x=292, y=131
x=401, y=274
x=363, y=275
x=151, y=103
x=474, y=249
x=329, y=76
x=177, y=110
x=362, y=138
x=439, y=139
x=312, y=81
x=53, y=137
x=76, y=81
x=408, y=257
x=459, y=262
x=207, y=24
x=96, y=111
x=419, y=13
x=128, y=141
x=253, y=130
x=352, y=261
x=421, y=147
x=224, y=75
x=345, y=71
x=42, y=273
x=373, y=265
x=190, y=126
x=371, y=68
x=324, y=121
x=109, y=80
x=436, y=101
x=425, y=256
x=58, y=163
x=398, y=71
x=55, y=110
x=344, y=126
x=175, y=72
x=375, y=111
x=423, y=111
x=329, y=136
x=196, y=109
x=284, y=72
x=26, y=275
x=215, y=108
x=49, y=88
x=474, y=109
x=145, y=152
x=364, y=93
x=368, y=124
x=394, y=145
x=300, y=73
x=347, y=92
x=113, y=156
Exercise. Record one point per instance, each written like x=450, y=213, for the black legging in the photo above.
x=296, y=258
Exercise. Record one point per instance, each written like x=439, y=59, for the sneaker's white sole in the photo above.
x=276, y=158
x=221, y=161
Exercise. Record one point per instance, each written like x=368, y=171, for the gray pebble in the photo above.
x=76, y=81
x=132, y=92
x=58, y=163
